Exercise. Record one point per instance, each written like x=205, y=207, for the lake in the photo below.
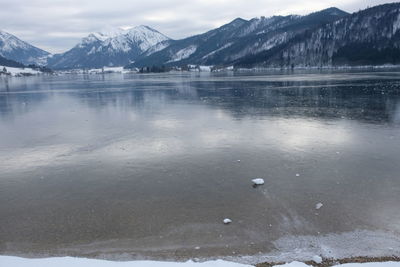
x=148, y=166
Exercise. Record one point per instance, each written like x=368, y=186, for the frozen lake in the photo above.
x=149, y=166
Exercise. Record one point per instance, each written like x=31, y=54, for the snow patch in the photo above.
x=155, y=48
x=205, y=68
x=396, y=24
x=217, y=50
x=92, y=51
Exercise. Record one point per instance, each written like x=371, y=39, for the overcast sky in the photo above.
x=57, y=25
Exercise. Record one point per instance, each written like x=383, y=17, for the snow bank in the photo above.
x=6, y=261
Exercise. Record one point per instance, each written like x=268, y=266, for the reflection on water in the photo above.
x=150, y=164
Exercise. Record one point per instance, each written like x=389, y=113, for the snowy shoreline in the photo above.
x=344, y=67
x=357, y=246
x=18, y=72
x=22, y=72
x=70, y=261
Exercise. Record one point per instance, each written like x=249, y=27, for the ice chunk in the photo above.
x=258, y=181
x=318, y=206
x=227, y=221
x=317, y=259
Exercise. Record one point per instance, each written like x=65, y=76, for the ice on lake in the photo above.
x=125, y=166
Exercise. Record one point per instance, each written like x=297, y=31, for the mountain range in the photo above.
x=326, y=38
x=238, y=39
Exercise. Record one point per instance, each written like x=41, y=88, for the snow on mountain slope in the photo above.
x=184, y=53
x=146, y=36
x=158, y=47
x=367, y=37
x=121, y=40
x=10, y=42
x=13, y=48
x=238, y=39
x=217, y=50
x=111, y=47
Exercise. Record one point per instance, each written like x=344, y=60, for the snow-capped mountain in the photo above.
x=238, y=39
x=368, y=37
x=15, y=49
x=111, y=47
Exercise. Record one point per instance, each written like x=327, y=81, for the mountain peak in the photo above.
x=145, y=36
x=11, y=47
x=3, y=32
x=144, y=28
x=238, y=20
x=334, y=11
x=110, y=31
x=140, y=33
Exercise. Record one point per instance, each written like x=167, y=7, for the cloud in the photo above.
x=57, y=25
